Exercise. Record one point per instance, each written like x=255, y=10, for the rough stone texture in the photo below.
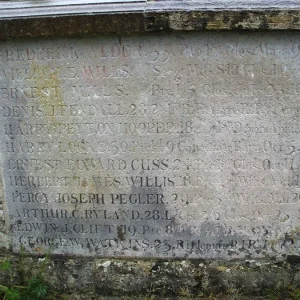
x=151, y=21
x=157, y=22
x=150, y=279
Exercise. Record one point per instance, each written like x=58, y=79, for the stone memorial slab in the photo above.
x=180, y=145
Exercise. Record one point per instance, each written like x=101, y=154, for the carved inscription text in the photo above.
x=169, y=146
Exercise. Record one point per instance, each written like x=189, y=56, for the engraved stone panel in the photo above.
x=181, y=145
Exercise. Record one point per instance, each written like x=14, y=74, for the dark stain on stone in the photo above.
x=293, y=259
x=150, y=21
x=156, y=267
x=226, y=19
x=236, y=19
x=203, y=24
x=287, y=241
x=121, y=234
x=264, y=23
x=156, y=22
x=71, y=25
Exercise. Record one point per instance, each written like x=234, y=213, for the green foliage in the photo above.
x=289, y=293
x=5, y=265
x=272, y=295
x=10, y=293
x=36, y=288
x=295, y=294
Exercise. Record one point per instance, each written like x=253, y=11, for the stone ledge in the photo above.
x=182, y=279
x=152, y=20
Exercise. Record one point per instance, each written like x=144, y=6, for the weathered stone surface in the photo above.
x=151, y=279
x=183, y=145
x=150, y=21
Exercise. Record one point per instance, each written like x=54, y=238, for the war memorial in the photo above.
x=152, y=147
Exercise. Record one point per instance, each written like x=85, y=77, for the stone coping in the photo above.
x=78, y=17
x=19, y=9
